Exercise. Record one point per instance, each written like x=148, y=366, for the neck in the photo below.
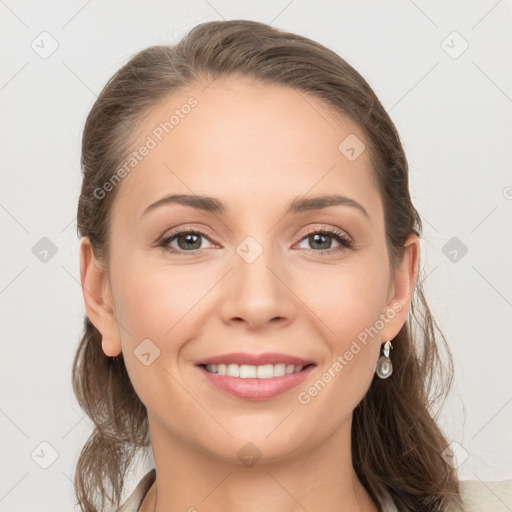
x=319, y=478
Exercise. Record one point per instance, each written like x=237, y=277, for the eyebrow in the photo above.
x=297, y=205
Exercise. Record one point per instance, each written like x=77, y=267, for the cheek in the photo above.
x=152, y=301
x=348, y=302
x=348, y=299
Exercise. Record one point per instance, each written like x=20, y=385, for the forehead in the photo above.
x=246, y=142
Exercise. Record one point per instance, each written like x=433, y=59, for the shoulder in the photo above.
x=135, y=499
x=479, y=496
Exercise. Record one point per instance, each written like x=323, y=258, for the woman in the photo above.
x=249, y=259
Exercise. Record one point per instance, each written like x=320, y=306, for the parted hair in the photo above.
x=397, y=444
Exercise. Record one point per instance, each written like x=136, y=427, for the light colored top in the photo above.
x=477, y=496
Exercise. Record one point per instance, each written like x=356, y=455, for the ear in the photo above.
x=402, y=287
x=98, y=299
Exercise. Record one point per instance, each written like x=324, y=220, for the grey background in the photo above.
x=452, y=110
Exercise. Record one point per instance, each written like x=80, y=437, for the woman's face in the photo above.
x=251, y=277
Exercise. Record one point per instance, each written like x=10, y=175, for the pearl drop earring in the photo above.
x=384, y=366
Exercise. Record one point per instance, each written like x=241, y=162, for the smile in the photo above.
x=250, y=382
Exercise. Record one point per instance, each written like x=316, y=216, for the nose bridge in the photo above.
x=256, y=292
x=253, y=265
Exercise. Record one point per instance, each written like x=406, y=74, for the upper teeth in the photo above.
x=247, y=371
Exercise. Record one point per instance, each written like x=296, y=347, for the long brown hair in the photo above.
x=396, y=444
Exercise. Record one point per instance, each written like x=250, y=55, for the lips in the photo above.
x=264, y=387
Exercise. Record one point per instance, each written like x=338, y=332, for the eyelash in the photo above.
x=344, y=241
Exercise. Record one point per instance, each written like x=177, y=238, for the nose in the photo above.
x=256, y=292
